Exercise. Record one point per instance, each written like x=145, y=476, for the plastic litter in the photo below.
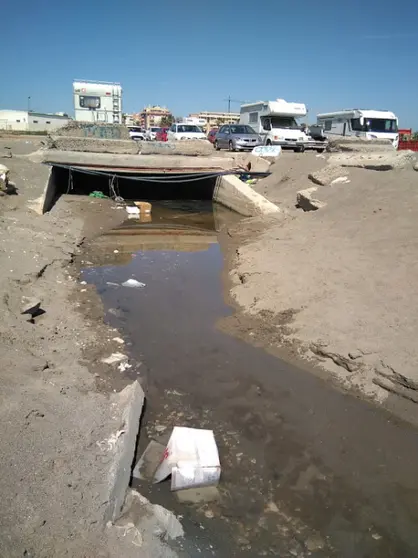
x=132, y=210
x=114, y=357
x=133, y=283
x=97, y=194
x=191, y=458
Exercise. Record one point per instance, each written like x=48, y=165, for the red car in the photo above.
x=161, y=135
x=212, y=135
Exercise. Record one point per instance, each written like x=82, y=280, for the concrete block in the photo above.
x=327, y=175
x=375, y=161
x=359, y=145
x=306, y=202
x=231, y=192
x=93, y=145
x=149, y=461
x=95, y=130
x=198, y=148
x=141, y=163
x=128, y=403
x=255, y=163
x=198, y=495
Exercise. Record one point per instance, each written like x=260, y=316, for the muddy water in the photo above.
x=306, y=470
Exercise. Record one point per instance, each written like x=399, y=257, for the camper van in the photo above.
x=98, y=101
x=368, y=124
x=276, y=121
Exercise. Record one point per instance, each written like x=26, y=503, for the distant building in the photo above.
x=129, y=119
x=151, y=116
x=24, y=121
x=216, y=119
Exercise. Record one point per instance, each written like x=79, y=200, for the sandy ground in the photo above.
x=343, y=280
x=56, y=417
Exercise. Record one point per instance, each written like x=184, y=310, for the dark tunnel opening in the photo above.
x=131, y=186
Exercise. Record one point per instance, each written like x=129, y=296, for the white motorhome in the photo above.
x=369, y=124
x=98, y=101
x=277, y=122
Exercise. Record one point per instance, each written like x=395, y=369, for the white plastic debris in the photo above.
x=133, y=283
x=114, y=357
x=132, y=210
x=191, y=458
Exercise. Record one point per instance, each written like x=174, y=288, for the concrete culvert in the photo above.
x=129, y=186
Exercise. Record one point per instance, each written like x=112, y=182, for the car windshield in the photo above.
x=241, y=130
x=287, y=122
x=380, y=125
x=135, y=129
x=155, y=129
x=185, y=128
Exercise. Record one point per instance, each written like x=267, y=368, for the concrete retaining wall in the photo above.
x=95, y=130
x=191, y=148
x=231, y=192
x=93, y=145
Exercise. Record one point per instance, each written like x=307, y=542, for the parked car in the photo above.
x=152, y=132
x=179, y=131
x=137, y=133
x=161, y=135
x=212, y=135
x=237, y=137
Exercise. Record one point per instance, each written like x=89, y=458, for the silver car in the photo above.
x=236, y=137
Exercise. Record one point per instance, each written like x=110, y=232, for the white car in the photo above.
x=136, y=133
x=152, y=132
x=181, y=131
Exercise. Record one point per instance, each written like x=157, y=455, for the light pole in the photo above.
x=28, y=104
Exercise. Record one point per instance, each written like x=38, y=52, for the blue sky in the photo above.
x=190, y=55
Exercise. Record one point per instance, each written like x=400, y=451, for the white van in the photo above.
x=276, y=121
x=369, y=124
x=182, y=131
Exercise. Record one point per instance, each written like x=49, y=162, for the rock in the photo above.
x=198, y=495
x=306, y=202
x=30, y=305
x=327, y=175
x=416, y=166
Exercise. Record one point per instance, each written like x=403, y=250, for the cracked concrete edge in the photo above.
x=131, y=401
x=231, y=192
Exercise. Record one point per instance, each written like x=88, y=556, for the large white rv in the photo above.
x=277, y=122
x=369, y=124
x=98, y=101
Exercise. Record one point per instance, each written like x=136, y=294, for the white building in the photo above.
x=24, y=121
x=97, y=101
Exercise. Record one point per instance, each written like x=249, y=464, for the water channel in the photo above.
x=306, y=470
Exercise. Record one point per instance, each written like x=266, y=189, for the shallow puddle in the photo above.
x=301, y=475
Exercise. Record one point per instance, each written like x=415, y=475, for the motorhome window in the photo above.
x=253, y=117
x=35, y=122
x=380, y=125
x=283, y=122
x=356, y=125
x=328, y=125
x=90, y=102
